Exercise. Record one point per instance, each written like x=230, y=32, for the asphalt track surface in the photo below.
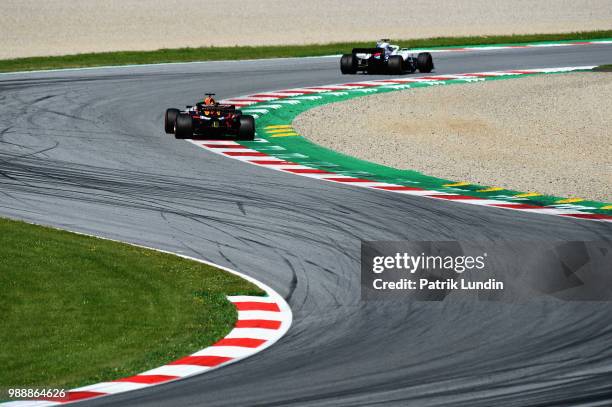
x=84, y=150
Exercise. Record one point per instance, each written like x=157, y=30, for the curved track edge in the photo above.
x=277, y=147
x=262, y=321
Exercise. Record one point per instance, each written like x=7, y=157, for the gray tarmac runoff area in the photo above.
x=85, y=150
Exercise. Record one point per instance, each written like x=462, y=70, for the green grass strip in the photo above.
x=603, y=68
x=79, y=310
x=273, y=51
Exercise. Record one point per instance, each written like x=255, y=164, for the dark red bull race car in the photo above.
x=208, y=119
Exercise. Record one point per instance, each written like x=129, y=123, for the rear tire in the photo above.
x=348, y=64
x=247, y=128
x=169, y=119
x=395, y=65
x=184, y=126
x=425, y=62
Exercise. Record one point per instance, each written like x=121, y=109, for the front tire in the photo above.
x=169, y=119
x=395, y=65
x=247, y=128
x=348, y=64
x=425, y=62
x=184, y=126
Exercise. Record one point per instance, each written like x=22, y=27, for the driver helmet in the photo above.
x=384, y=43
x=209, y=101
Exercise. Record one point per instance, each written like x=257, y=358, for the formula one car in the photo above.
x=385, y=59
x=209, y=118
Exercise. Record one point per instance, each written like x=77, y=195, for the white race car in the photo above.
x=385, y=59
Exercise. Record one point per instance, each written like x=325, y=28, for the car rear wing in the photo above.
x=218, y=107
x=368, y=50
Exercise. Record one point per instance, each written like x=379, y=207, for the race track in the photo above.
x=84, y=150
